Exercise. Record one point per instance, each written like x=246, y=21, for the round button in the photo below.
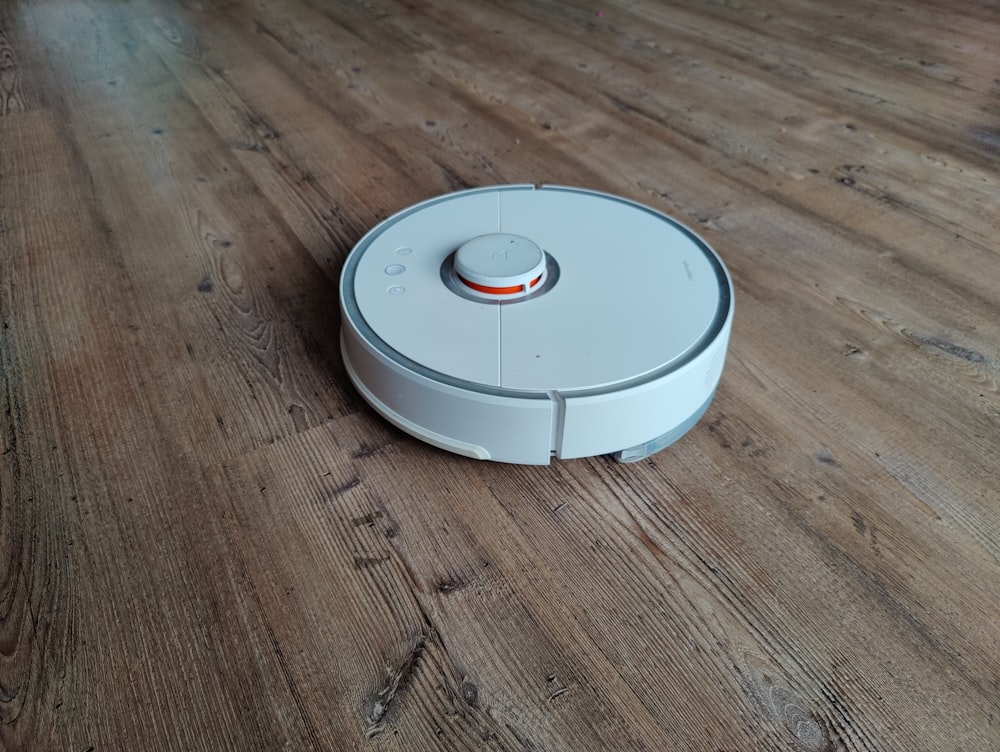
x=394, y=270
x=500, y=265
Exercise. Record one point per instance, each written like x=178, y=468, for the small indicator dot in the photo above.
x=404, y=251
x=396, y=290
x=394, y=270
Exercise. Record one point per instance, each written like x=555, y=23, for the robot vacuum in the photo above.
x=519, y=323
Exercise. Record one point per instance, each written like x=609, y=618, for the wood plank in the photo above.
x=407, y=654
x=18, y=92
x=204, y=282
x=92, y=529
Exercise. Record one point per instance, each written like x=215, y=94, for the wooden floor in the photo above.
x=209, y=542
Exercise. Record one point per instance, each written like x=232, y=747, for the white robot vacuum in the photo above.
x=519, y=323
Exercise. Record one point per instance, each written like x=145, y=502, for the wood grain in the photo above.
x=17, y=94
x=209, y=542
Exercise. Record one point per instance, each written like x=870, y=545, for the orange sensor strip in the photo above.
x=498, y=290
